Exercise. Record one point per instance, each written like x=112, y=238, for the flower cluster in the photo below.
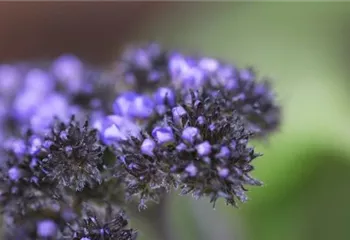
x=45, y=181
x=79, y=143
x=189, y=128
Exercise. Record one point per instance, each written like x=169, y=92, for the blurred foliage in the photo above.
x=304, y=48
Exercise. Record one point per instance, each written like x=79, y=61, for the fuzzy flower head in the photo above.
x=213, y=156
x=206, y=152
x=74, y=155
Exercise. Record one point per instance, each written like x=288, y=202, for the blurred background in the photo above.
x=303, y=47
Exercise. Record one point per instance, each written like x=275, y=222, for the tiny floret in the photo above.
x=204, y=148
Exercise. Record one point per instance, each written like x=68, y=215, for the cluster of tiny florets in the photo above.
x=75, y=136
x=74, y=156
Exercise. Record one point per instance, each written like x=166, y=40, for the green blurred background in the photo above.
x=303, y=47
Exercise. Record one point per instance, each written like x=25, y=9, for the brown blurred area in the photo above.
x=91, y=30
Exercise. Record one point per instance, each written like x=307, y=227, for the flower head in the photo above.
x=74, y=155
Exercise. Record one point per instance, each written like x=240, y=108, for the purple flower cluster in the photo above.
x=75, y=136
x=32, y=96
x=194, y=125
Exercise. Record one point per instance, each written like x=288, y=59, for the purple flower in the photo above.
x=74, y=156
x=39, y=82
x=148, y=146
x=260, y=89
x=14, y=174
x=194, y=78
x=191, y=170
x=177, y=65
x=209, y=64
x=165, y=96
x=178, y=113
x=141, y=107
x=54, y=106
x=123, y=103
x=163, y=135
x=25, y=104
x=201, y=120
x=35, y=144
x=246, y=75
x=47, y=228
x=144, y=67
x=9, y=80
x=189, y=134
x=183, y=122
x=68, y=69
x=142, y=59
x=224, y=172
x=225, y=77
x=204, y=148
x=186, y=72
x=116, y=128
x=16, y=145
x=181, y=147
x=224, y=152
